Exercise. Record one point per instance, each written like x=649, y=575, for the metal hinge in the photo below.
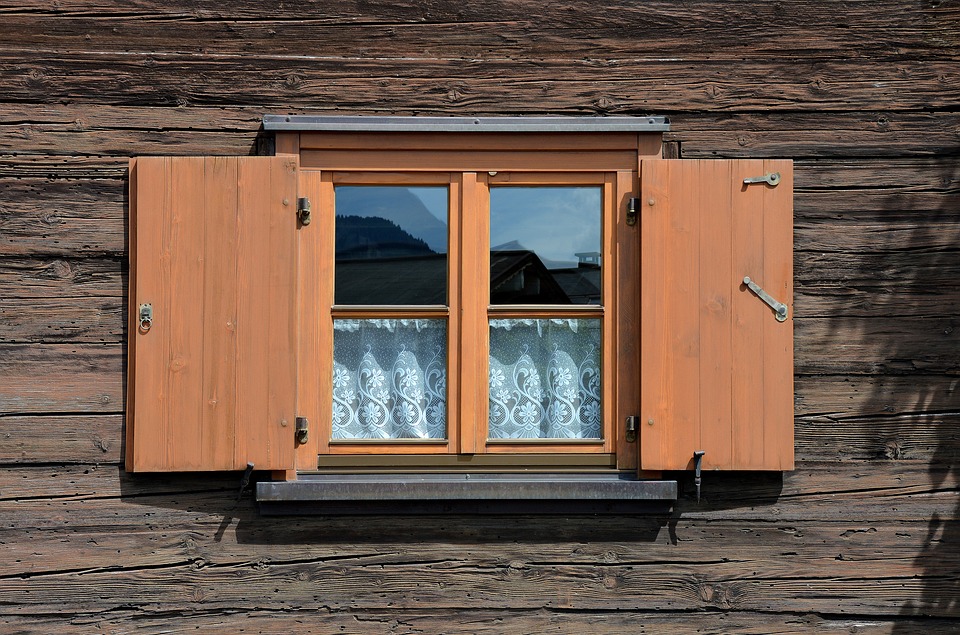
x=301, y=430
x=303, y=210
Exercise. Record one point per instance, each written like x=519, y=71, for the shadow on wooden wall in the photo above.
x=934, y=257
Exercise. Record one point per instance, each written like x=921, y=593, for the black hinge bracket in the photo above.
x=245, y=480
x=633, y=208
x=302, y=430
x=697, y=466
x=303, y=210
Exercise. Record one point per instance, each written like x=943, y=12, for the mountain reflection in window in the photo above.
x=545, y=245
x=391, y=245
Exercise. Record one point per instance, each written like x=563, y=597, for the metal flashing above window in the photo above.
x=306, y=123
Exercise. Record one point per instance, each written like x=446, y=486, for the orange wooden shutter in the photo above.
x=212, y=382
x=716, y=365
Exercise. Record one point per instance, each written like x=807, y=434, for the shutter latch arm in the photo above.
x=697, y=465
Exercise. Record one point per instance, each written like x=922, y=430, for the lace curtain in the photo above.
x=389, y=379
x=545, y=379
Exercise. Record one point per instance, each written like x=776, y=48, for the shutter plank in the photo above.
x=747, y=218
x=716, y=284
x=220, y=312
x=183, y=312
x=215, y=377
x=777, y=336
x=717, y=368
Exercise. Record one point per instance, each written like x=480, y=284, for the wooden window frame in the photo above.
x=470, y=164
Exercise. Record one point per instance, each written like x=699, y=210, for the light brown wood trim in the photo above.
x=516, y=178
x=454, y=298
x=132, y=319
x=324, y=221
x=387, y=462
x=545, y=311
x=474, y=142
x=380, y=312
x=311, y=312
x=287, y=143
x=608, y=355
x=474, y=290
x=547, y=446
x=465, y=161
x=341, y=177
x=628, y=315
x=392, y=447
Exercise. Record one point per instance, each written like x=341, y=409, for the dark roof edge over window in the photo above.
x=306, y=123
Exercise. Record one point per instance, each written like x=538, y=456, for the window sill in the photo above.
x=464, y=493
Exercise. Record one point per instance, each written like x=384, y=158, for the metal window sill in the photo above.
x=465, y=493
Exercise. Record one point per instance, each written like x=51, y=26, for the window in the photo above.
x=467, y=294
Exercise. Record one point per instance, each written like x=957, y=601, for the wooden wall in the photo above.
x=863, y=537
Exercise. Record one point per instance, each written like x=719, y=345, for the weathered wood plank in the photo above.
x=64, y=217
x=933, y=438
x=87, y=439
x=850, y=396
x=469, y=86
x=456, y=583
x=467, y=621
x=869, y=133
x=32, y=278
x=877, y=345
x=42, y=320
x=73, y=378
x=502, y=31
x=78, y=129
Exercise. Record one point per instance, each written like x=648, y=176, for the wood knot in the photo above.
x=893, y=450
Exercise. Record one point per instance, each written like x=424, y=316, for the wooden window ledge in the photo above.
x=465, y=493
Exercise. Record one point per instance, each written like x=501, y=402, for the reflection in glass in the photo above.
x=391, y=245
x=545, y=245
x=545, y=379
x=389, y=379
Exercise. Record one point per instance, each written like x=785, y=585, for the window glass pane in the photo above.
x=545, y=245
x=389, y=379
x=545, y=379
x=391, y=245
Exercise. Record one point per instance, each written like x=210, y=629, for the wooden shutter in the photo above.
x=212, y=383
x=716, y=365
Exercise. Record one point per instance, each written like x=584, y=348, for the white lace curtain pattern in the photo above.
x=545, y=379
x=389, y=379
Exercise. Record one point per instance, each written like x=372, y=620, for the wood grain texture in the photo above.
x=861, y=538
x=215, y=256
x=717, y=372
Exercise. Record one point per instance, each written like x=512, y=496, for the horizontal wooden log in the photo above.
x=447, y=30
x=87, y=439
x=68, y=217
x=71, y=378
x=877, y=345
x=468, y=85
x=32, y=278
x=79, y=129
x=848, y=396
x=472, y=622
x=75, y=320
x=868, y=133
x=933, y=438
x=458, y=583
